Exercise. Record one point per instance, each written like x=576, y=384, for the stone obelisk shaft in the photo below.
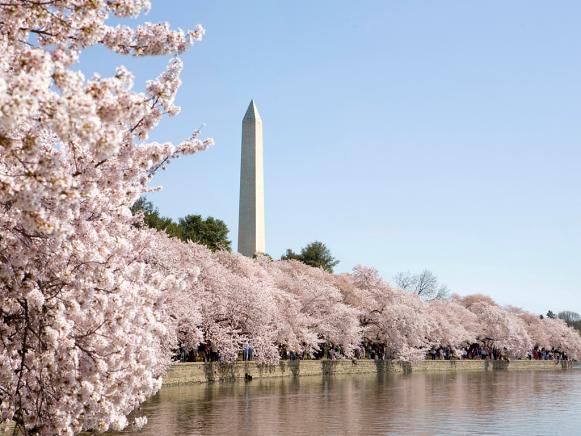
x=251, y=238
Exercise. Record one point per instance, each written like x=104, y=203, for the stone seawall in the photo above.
x=183, y=373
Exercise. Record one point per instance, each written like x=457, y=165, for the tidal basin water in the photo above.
x=492, y=403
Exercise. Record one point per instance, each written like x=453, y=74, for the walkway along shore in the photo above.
x=199, y=372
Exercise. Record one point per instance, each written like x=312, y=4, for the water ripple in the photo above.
x=492, y=403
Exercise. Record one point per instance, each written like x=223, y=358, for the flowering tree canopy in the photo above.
x=81, y=324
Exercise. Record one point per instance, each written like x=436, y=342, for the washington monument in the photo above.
x=251, y=218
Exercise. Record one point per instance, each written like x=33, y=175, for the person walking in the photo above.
x=246, y=351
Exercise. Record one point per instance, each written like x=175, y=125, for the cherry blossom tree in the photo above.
x=506, y=330
x=82, y=315
x=319, y=305
x=552, y=333
x=454, y=325
x=397, y=321
x=537, y=329
x=270, y=305
x=238, y=307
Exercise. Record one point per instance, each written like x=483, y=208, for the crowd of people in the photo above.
x=484, y=350
x=539, y=353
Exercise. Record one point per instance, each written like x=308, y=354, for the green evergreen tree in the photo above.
x=315, y=254
x=211, y=232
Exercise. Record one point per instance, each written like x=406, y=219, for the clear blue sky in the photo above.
x=404, y=134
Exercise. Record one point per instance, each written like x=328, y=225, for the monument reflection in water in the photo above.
x=501, y=402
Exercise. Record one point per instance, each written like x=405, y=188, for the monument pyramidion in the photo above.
x=251, y=239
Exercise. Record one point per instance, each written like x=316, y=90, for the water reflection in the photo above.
x=535, y=402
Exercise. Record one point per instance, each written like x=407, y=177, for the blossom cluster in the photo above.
x=291, y=307
x=83, y=332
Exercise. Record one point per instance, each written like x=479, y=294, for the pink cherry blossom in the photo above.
x=85, y=321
